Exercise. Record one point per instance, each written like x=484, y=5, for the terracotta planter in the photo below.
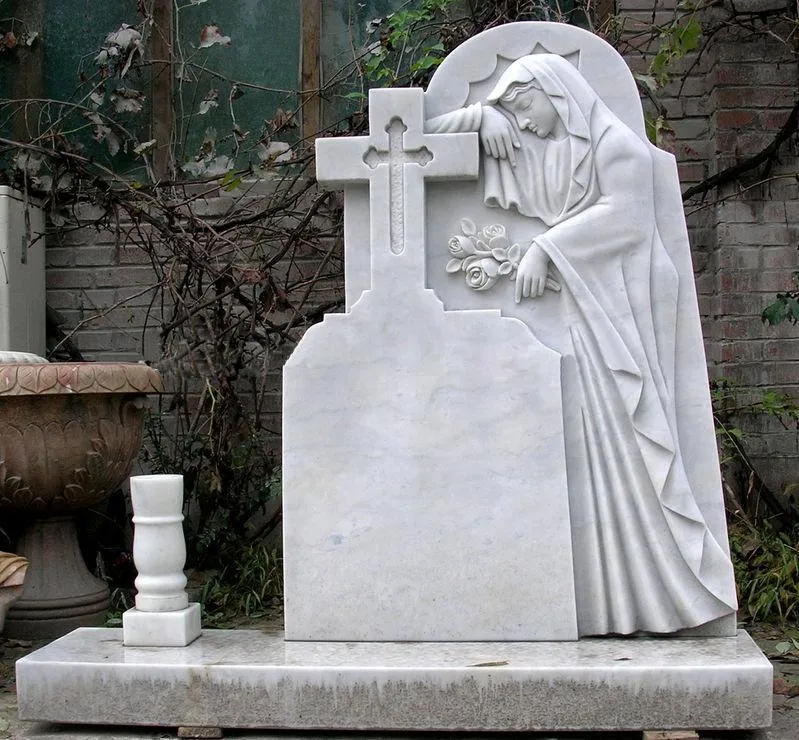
x=69, y=433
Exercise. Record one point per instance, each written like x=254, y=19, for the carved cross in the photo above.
x=395, y=160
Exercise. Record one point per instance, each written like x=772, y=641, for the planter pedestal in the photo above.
x=60, y=594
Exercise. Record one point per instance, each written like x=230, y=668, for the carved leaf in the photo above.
x=454, y=265
x=95, y=465
x=500, y=254
x=468, y=227
x=514, y=254
x=17, y=493
x=505, y=268
x=73, y=493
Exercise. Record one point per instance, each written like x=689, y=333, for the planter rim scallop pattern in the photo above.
x=48, y=378
x=69, y=432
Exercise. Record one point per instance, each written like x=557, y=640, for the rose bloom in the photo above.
x=461, y=246
x=482, y=274
x=489, y=232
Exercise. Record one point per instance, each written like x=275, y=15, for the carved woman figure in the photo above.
x=644, y=557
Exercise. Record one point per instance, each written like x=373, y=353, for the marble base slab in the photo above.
x=248, y=679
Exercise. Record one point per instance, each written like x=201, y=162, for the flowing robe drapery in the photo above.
x=644, y=557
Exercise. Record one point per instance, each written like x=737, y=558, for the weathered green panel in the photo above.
x=264, y=51
x=343, y=41
x=73, y=32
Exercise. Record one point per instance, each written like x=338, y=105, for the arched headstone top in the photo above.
x=469, y=73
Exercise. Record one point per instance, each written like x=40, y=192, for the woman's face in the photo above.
x=533, y=110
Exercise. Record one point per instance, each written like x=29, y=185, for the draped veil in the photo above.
x=645, y=559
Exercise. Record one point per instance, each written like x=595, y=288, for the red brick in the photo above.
x=753, y=97
x=774, y=120
x=691, y=171
x=735, y=119
x=67, y=278
x=782, y=349
x=734, y=74
x=763, y=235
x=784, y=257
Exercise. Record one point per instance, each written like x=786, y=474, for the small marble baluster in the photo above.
x=159, y=547
x=163, y=616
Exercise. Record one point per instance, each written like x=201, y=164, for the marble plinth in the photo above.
x=161, y=629
x=248, y=679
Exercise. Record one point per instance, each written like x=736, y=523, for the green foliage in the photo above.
x=791, y=645
x=121, y=599
x=677, y=39
x=785, y=307
x=658, y=131
x=747, y=495
x=407, y=45
x=248, y=585
x=766, y=571
x=731, y=404
x=763, y=529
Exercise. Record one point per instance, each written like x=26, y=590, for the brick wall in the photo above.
x=757, y=234
x=744, y=236
x=105, y=289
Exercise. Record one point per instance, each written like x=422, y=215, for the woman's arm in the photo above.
x=460, y=121
x=620, y=220
x=496, y=131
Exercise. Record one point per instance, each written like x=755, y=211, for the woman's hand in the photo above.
x=497, y=135
x=531, y=277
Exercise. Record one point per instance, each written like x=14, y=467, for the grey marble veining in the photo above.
x=250, y=679
x=508, y=435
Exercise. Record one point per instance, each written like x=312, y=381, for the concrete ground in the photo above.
x=785, y=724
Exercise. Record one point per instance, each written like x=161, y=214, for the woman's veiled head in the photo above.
x=558, y=181
x=553, y=87
x=531, y=107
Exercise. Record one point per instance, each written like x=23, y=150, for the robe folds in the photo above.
x=645, y=559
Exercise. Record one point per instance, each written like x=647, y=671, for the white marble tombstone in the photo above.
x=508, y=436
x=462, y=464
x=424, y=464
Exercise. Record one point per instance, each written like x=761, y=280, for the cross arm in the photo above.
x=455, y=156
x=339, y=161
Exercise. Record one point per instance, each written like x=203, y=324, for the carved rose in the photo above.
x=481, y=274
x=461, y=246
x=485, y=256
x=493, y=230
